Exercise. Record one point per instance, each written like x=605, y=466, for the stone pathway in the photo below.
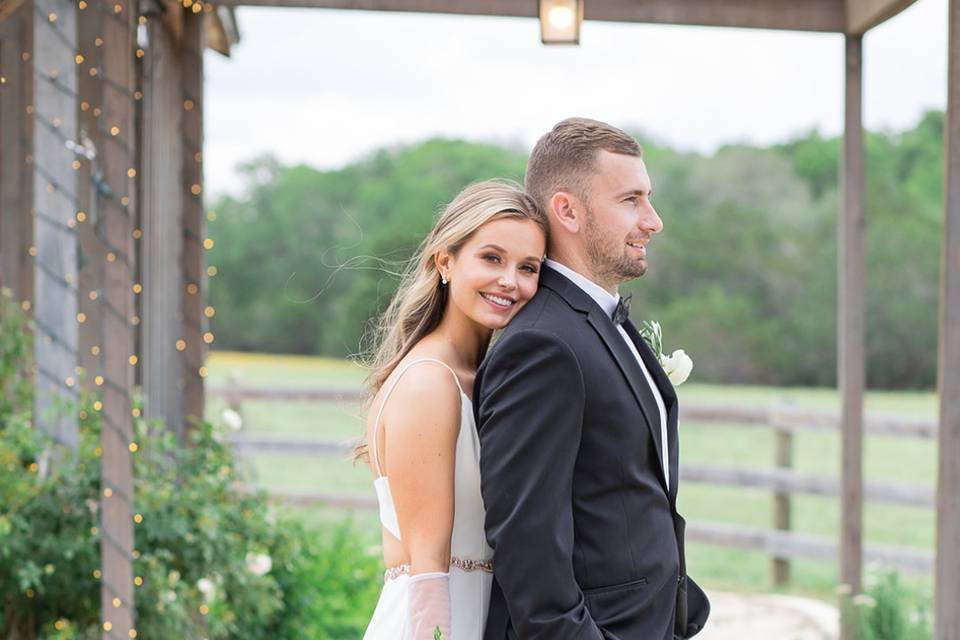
x=735, y=616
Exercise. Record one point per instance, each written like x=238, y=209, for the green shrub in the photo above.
x=211, y=559
x=888, y=611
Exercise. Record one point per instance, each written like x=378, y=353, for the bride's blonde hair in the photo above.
x=421, y=299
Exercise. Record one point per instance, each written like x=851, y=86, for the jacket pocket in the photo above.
x=623, y=586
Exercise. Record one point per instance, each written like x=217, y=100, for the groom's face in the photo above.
x=620, y=219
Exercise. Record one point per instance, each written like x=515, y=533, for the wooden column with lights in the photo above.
x=162, y=212
x=195, y=242
x=16, y=135
x=116, y=206
x=851, y=366
x=946, y=611
x=54, y=209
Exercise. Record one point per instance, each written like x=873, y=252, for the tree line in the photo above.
x=744, y=276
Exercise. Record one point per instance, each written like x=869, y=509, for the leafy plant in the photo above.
x=211, y=559
x=887, y=611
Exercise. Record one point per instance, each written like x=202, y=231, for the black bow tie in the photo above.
x=622, y=312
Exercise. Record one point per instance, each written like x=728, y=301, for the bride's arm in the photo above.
x=422, y=422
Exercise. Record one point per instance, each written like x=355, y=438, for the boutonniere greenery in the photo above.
x=677, y=365
x=437, y=634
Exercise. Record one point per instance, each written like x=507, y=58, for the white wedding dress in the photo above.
x=470, y=565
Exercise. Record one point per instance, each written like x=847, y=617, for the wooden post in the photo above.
x=162, y=212
x=16, y=88
x=195, y=324
x=55, y=203
x=851, y=367
x=947, y=613
x=780, y=566
x=92, y=251
x=115, y=203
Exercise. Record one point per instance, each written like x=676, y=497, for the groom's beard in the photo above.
x=608, y=256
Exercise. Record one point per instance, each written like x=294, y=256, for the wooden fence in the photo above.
x=779, y=542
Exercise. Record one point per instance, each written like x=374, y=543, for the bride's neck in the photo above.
x=465, y=339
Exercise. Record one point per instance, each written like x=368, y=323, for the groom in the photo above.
x=578, y=422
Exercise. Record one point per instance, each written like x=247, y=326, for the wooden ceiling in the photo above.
x=832, y=16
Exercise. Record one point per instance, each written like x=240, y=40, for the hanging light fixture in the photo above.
x=560, y=21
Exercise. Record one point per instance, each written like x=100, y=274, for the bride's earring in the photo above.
x=443, y=278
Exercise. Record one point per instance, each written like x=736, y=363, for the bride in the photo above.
x=478, y=266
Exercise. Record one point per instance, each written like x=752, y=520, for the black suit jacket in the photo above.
x=577, y=511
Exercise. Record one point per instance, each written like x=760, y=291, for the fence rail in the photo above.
x=780, y=543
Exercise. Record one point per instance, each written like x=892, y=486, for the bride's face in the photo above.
x=496, y=272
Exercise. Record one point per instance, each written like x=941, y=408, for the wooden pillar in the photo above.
x=114, y=201
x=162, y=213
x=92, y=250
x=55, y=206
x=195, y=334
x=16, y=132
x=851, y=369
x=947, y=613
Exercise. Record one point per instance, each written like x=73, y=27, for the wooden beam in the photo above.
x=162, y=213
x=8, y=7
x=222, y=31
x=16, y=88
x=803, y=546
x=863, y=15
x=117, y=162
x=851, y=367
x=54, y=112
x=194, y=222
x=946, y=612
x=810, y=15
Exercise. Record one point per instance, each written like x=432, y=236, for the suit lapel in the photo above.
x=634, y=376
x=603, y=325
x=669, y=395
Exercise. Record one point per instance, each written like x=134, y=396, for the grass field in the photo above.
x=886, y=458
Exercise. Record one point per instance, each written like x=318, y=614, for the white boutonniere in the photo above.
x=677, y=365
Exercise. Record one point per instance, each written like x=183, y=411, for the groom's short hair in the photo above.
x=565, y=157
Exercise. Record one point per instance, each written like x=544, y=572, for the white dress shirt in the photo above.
x=608, y=302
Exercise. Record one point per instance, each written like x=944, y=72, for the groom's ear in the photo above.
x=565, y=210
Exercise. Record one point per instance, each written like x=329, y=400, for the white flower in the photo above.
x=863, y=600
x=232, y=419
x=259, y=564
x=206, y=587
x=678, y=366
x=169, y=595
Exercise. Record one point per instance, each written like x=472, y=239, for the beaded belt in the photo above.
x=464, y=565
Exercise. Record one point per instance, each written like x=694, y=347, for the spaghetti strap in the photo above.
x=376, y=424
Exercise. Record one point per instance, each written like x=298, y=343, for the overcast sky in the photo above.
x=324, y=87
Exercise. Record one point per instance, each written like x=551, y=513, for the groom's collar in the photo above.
x=604, y=299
